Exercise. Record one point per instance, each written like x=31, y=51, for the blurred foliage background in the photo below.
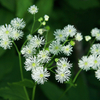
x=83, y=14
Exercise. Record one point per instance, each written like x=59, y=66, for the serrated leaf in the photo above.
x=52, y=91
x=26, y=82
x=13, y=92
x=22, y=6
x=83, y=4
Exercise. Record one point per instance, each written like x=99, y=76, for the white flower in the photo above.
x=28, y=51
x=16, y=34
x=62, y=75
x=5, y=31
x=95, y=49
x=40, y=75
x=87, y=38
x=97, y=74
x=78, y=37
x=37, y=41
x=59, y=35
x=67, y=49
x=31, y=63
x=40, y=31
x=29, y=37
x=43, y=55
x=70, y=30
x=5, y=43
x=96, y=33
x=95, y=61
x=55, y=47
x=33, y=9
x=46, y=17
x=63, y=63
x=85, y=63
x=18, y=23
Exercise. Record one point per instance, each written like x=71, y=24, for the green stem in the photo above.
x=21, y=72
x=33, y=93
x=33, y=24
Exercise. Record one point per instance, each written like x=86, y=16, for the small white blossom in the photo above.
x=43, y=55
x=97, y=74
x=29, y=37
x=70, y=30
x=67, y=49
x=31, y=63
x=28, y=51
x=63, y=63
x=78, y=37
x=37, y=41
x=40, y=75
x=95, y=49
x=16, y=34
x=59, y=35
x=33, y=9
x=46, y=17
x=96, y=33
x=87, y=38
x=85, y=63
x=5, y=43
x=18, y=23
x=62, y=75
x=40, y=31
x=55, y=47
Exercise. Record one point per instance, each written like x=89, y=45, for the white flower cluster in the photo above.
x=11, y=32
x=62, y=72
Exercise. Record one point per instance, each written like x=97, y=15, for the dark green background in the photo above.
x=83, y=14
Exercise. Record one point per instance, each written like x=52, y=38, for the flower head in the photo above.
x=78, y=37
x=33, y=9
x=40, y=75
x=97, y=74
x=18, y=23
x=46, y=17
x=87, y=38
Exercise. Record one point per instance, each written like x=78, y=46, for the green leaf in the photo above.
x=26, y=82
x=83, y=4
x=22, y=6
x=52, y=91
x=13, y=92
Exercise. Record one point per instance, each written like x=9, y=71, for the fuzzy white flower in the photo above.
x=5, y=43
x=97, y=74
x=29, y=37
x=43, y=55
x=78, y=37
x=59, y=35
x=18, y=23
x=62, y=75
x=16, y=34
x=70, y=30
x=5, y=31
x=40, y=31
x=85, y=63
x=33, y=9
x=67, y=49
x=31, y=63
x=63, y=63
x=40, y=75
x=37, y=41
x=95, y=61
x=95, y=49
x=28, y=51
x=55, y=47
x=46, y=17
x=87, y=38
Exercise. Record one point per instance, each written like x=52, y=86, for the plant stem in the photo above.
x=33, y=93
x=21, y=72
x=33, y=23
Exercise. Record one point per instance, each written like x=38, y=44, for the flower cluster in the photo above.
x=11, y=32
